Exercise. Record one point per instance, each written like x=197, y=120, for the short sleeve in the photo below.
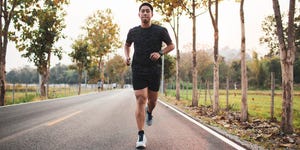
x=129, y=38
x=166, y=37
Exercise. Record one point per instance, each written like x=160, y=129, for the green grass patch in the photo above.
x=259, y=102
x=24, y=94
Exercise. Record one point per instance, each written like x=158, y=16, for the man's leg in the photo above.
x=152, y=100
x=141, y=99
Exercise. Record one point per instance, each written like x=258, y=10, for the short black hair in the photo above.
x=146, y=4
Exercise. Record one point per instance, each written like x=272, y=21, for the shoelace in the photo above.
x=141, y=136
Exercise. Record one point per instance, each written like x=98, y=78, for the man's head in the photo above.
x=146, y=4
x=146, y=13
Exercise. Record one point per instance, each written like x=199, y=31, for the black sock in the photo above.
x=141, y=132
x=150, y=113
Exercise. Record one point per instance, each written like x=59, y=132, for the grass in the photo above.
x=259, y=103
x=21, y=95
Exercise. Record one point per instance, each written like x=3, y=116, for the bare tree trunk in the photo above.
x=195, y=88
x=177, y=62
x=205, y=93
x=2, y=82
x=2, y=62
x=272, y=94
x=214, y=20
x=209, y=94
x=244, y=107
x=79, y=81
x=227, y=93
x=287, y=57
x=43, y=84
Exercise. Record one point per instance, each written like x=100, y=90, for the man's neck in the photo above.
x=146, y=25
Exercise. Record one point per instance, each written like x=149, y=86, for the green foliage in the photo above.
x=102, y=35
x=169, y=68
x=22, y=75
x=81, y=56
x=40, y=25
x=115, y=70
x=235, y=68
x=58, y=74
x=270, y=37
x=168, y=9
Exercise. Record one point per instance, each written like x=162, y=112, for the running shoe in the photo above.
x=149, y=117
x=141, y=141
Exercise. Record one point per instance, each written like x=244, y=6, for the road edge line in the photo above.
x=221, y=137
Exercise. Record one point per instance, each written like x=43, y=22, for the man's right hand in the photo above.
x=128, y=61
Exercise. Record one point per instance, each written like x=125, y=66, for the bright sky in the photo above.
x=126, y=16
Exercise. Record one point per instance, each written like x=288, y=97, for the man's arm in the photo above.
x=156, y=55
x=167, y=49
x=127, y=54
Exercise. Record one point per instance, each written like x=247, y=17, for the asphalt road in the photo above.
x=98, y=121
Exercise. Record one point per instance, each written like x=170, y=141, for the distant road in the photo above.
x=98, y=121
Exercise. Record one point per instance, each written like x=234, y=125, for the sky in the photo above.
x=126, y=16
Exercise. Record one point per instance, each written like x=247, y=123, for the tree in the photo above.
x=115, y=69
x=8, y=13
x=270, y=38
x=287, y=56
x=214, y=20
x=190, y=9
x=258, y=76
x=102, y=36
x=25, y=74
x=39, y=33
x=169, y=68
x=81, y=57
x=244, y=81
x=236, y=71
x=58, y=74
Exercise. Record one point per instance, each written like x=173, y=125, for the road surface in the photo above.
x=98, y=121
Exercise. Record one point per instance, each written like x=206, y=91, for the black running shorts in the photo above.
x=143, y=77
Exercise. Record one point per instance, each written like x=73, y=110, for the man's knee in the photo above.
x=141, y=98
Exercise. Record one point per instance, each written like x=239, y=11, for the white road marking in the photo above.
x=221, y=137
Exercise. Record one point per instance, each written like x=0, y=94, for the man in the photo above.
x=146, y=66
x=99, y=84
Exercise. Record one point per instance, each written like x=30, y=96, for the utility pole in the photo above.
x=162, y=75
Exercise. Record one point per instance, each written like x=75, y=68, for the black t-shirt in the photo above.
x=147, y=41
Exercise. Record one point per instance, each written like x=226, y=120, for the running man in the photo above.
x=146, y=66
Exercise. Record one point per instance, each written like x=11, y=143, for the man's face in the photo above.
x=145, y=14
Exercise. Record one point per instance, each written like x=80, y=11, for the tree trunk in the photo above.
x=272, y=94
x=227, y=93
x=2, y=62
x=177, y=62
x=6, y=16
x=2, y=82
x=214, y=20
x=79, y=80
x=205, y=93
x=244, y=107
x=287, y=57
x=43, y=84
x=195, y=88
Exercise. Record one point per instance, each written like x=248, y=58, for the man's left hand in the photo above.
x=155, y=56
